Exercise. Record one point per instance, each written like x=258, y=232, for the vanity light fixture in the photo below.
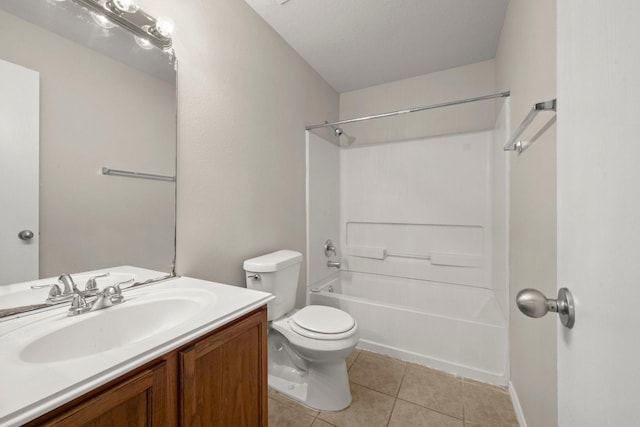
x=164, y=26
x=129, y=6
x=126, y=13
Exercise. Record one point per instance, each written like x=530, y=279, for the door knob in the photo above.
x=533, y=303
x=26, y=235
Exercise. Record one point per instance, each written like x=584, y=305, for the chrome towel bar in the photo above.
x=526, y=133
x=130, y=174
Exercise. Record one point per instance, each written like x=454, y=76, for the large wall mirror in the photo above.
x=90, y=97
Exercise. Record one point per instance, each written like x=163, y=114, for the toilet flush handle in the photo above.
x=254, y=277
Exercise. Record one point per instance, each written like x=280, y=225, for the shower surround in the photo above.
x=422, y=232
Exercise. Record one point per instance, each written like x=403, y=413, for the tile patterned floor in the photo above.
x=391, y=393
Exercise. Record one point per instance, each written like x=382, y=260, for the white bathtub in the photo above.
x=458, y=329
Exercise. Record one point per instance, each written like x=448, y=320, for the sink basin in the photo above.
x=103, y=330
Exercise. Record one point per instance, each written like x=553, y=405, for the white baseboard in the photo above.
x=516, y=405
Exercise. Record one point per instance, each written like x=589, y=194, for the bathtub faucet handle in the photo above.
x=329, y=248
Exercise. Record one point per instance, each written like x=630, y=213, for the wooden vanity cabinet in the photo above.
x=219, y=379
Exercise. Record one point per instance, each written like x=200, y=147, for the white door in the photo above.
x=19, y=172
x=599, y=211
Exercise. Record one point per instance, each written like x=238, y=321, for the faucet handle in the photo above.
x=111, y=295
x=125, y=282
x=55, y=291
x=91, y=284
x=79, y=305
x=329, y=248
x=114, y=293
x=46, y=285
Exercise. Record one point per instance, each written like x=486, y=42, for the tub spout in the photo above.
x=335, y=264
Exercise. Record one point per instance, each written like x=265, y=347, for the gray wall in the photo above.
x=463, y=82
x=244, y=98
x=526, y=65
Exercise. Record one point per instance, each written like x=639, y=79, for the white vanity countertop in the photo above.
x=31, y=387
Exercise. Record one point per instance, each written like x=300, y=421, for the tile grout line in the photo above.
x=431, y=409
x=354, y=360
x=393, y=407
x=395, y=398
x=464, y=415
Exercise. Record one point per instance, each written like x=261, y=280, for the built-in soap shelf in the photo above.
x=541, y=116
x=435, y=258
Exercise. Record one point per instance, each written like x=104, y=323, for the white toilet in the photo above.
x=307, y=347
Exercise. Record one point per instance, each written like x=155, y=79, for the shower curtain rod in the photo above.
x=412, y=110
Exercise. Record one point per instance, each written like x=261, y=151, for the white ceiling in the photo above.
x=355, y=44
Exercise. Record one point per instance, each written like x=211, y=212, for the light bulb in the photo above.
x=129, y=6
x=102, y=21
x=165, y=26
x=143, y=43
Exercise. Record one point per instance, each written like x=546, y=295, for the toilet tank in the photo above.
x=276, y=273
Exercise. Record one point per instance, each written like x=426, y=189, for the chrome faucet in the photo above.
x=79, y=303
x=57, y=295
x=109, y=296
x=69, y=288
x=68, y=283
x=335, y=264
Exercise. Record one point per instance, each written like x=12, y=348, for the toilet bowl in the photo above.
x=307, y=347
x=318, y=359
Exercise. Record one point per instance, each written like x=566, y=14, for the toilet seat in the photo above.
x=322, y=323
x=316, y=346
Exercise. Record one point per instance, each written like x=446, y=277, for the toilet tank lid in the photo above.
x=272, y=262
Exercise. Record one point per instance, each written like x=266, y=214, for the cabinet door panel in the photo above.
x=134, y=402
x=224, y=377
